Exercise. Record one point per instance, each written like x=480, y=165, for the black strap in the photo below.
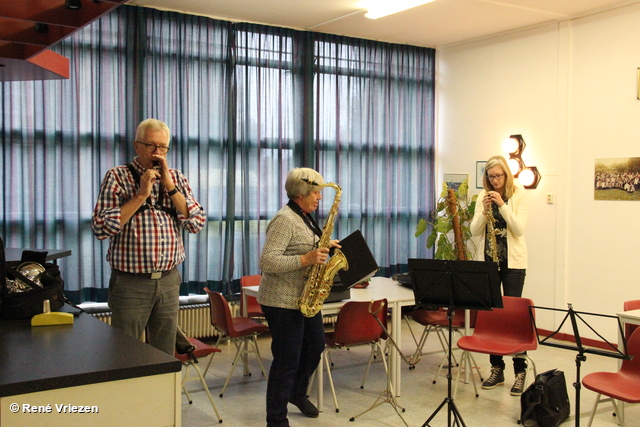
x=308, y=219
x=533, y=399
x=148, y=204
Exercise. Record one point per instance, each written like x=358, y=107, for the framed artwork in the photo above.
x=454, y=180
x=617, y=179
x=479, y=173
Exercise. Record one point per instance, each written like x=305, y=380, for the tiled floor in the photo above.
x=243, y=403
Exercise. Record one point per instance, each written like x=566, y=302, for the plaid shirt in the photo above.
x=151, y=240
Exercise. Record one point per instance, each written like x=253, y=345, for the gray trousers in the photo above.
x=137, y=302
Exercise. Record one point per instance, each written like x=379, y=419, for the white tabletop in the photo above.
x=380, y=287
x=631, y=316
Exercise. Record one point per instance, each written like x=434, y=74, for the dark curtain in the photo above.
x=245, y=103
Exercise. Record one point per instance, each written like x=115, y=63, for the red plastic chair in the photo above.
x=502, y=331
x=253, y=308
x=623, y=385
x=189, y=360
x=628, y=327
x=242, y=331
x=356, y=326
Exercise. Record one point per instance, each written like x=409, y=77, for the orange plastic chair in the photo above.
x=253, y=308
x=241, y=331
x=190, y=359
x=623, y=385
x=355, y=326
x=628, y=327
x=502, y=331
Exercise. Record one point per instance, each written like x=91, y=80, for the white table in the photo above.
x=397, y=297
x=632, y=317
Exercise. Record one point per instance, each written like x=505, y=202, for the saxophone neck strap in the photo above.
x=308, y=219
x=148, y=204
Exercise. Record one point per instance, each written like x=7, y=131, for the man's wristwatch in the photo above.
x=172, y=192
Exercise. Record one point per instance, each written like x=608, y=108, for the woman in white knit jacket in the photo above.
x=509, y=204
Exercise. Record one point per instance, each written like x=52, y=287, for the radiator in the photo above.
x=194, y=319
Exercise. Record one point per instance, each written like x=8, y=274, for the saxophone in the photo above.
x=491, y=236
x=320, y=278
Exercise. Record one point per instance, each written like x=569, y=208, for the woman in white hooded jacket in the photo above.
x=508, y=201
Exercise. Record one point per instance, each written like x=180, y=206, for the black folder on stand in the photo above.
x=362, y=264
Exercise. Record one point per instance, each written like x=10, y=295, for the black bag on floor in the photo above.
x=546, y=400
x=28, y=301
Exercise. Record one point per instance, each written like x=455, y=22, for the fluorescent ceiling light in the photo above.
x=379, y=8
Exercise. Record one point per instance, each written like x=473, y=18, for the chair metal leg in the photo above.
x=606, y=399
x=593, y=412
x=184, y=378
x=333, y=389
x=466, y=361
x=242, y=352
x=445, y=347
x=239, y=352
x=254, y=341
x=204, y=385
x=366, y=370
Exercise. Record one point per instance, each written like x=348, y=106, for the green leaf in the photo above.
x=431, y=240
x=463, y=189
x=421, y=227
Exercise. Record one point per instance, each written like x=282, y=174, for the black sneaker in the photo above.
x=518, y=385
x=307, y=408
x=495, y=379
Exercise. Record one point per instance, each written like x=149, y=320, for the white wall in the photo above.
x=570, y=90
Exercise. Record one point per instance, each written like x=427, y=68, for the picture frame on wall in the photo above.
x=617, y=179
x=453, y=180
x=479, y=173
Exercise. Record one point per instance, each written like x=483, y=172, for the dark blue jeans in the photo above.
x=297, y=342
x=512, y=284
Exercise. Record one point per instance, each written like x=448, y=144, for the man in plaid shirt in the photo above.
x=143, y=208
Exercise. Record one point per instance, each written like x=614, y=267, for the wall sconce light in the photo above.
x=73, y=4
x=529, y=175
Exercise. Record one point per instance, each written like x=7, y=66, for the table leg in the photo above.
x=467, y=331
x=394, y=358
x=620, y=347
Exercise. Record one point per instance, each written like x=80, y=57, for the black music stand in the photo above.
x=471, y=285
x=574, y=316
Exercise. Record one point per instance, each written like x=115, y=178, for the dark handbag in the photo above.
x=546, y=400
x=26, y=304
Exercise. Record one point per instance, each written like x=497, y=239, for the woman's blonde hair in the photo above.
x=295, y=184
x=509, y=185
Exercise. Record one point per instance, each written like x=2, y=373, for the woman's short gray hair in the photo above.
x=153, y=125
x=295, y=185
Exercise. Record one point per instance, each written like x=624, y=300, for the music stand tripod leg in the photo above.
x=387, y=396
x=453, y=415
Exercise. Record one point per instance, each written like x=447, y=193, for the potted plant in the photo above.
x=450, y=233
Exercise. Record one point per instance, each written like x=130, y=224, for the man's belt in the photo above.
x=152, y=276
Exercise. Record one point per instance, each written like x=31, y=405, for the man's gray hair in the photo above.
x=151, y=125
